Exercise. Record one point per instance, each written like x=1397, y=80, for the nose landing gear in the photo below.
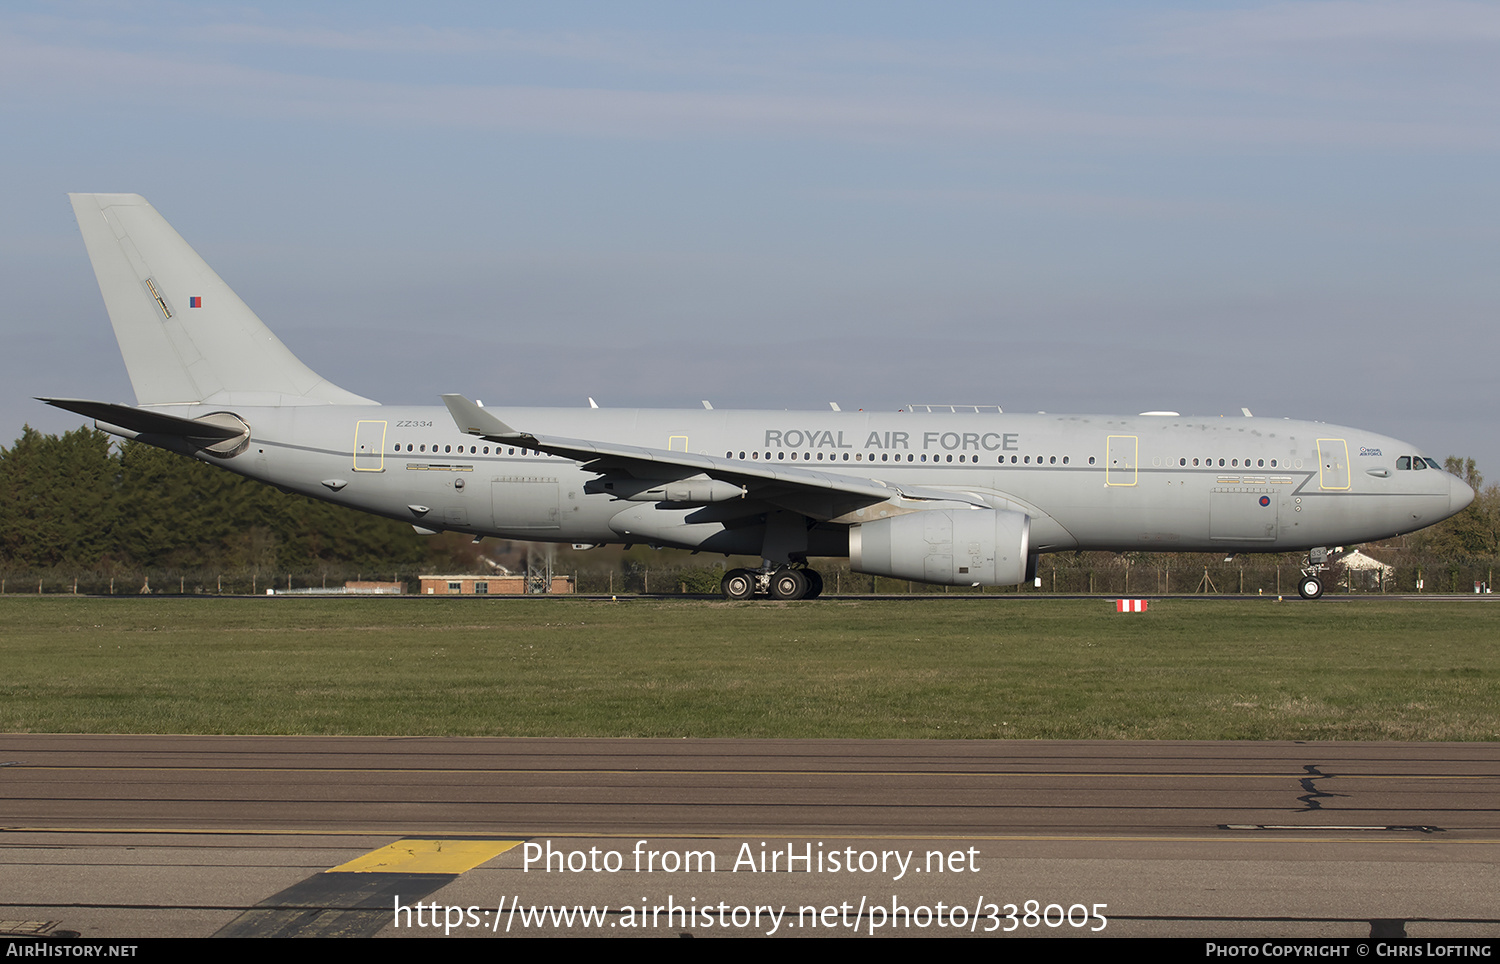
x=1310, y=586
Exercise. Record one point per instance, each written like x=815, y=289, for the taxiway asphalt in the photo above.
x=143, y=836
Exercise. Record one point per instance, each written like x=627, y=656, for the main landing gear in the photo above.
x=1310, y=586
x=783, y=583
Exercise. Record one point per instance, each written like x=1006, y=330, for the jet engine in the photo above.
x=954, y=547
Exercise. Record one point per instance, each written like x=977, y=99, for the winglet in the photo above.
x=473, y=420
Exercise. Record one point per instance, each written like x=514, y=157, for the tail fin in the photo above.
x=186, y=337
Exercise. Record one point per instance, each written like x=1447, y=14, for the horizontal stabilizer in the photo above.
x=140, y=420
x=220, y=433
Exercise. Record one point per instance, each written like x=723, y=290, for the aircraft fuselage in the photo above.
x=1087, y=482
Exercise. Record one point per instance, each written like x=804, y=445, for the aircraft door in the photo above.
x=1120, y=460
x=1333, y=463
x=456, y=512
x=369, y=446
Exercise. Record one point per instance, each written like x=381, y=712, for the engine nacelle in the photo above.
x=953, y=547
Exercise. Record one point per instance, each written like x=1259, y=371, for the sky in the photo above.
x=1063, y=207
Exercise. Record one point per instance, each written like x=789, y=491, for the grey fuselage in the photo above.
x=1122, y=483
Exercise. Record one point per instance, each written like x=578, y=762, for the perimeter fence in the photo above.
x=1135, y=580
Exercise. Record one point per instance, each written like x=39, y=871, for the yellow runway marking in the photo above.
x=426, y=857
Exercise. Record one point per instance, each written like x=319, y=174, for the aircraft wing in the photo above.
x=815, y=493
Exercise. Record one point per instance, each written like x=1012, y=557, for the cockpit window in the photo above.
x=1433, y=465
x=1417, y=463
x=1404, y=462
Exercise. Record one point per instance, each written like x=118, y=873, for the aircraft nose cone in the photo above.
x=1459, y=494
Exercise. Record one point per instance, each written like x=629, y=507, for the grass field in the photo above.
x=1071, y=669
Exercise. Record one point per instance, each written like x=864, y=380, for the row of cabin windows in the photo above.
x=1014, y=459
x=1232, y=463
x=1017, y=459
x=886, y=457
x=1404, y=462
x=459, y=450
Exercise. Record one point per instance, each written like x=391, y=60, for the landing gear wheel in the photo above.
x=814, y=584
x=788, y=584
x=738, y=584
x=1311, y=587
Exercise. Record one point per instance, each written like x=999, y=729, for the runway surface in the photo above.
x=129, y=836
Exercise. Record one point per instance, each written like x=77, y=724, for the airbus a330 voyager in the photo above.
x=954, y=497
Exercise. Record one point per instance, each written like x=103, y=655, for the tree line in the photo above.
x=1475, y=532
x=84, y=500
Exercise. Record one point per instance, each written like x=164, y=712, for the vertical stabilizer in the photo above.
x=186, y=337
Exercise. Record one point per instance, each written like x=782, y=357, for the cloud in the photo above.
x=1338, y=24
x=1314, y=75
x=1438, y=59
x=59, y=77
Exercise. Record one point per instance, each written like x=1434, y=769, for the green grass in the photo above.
x=1068, y=669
